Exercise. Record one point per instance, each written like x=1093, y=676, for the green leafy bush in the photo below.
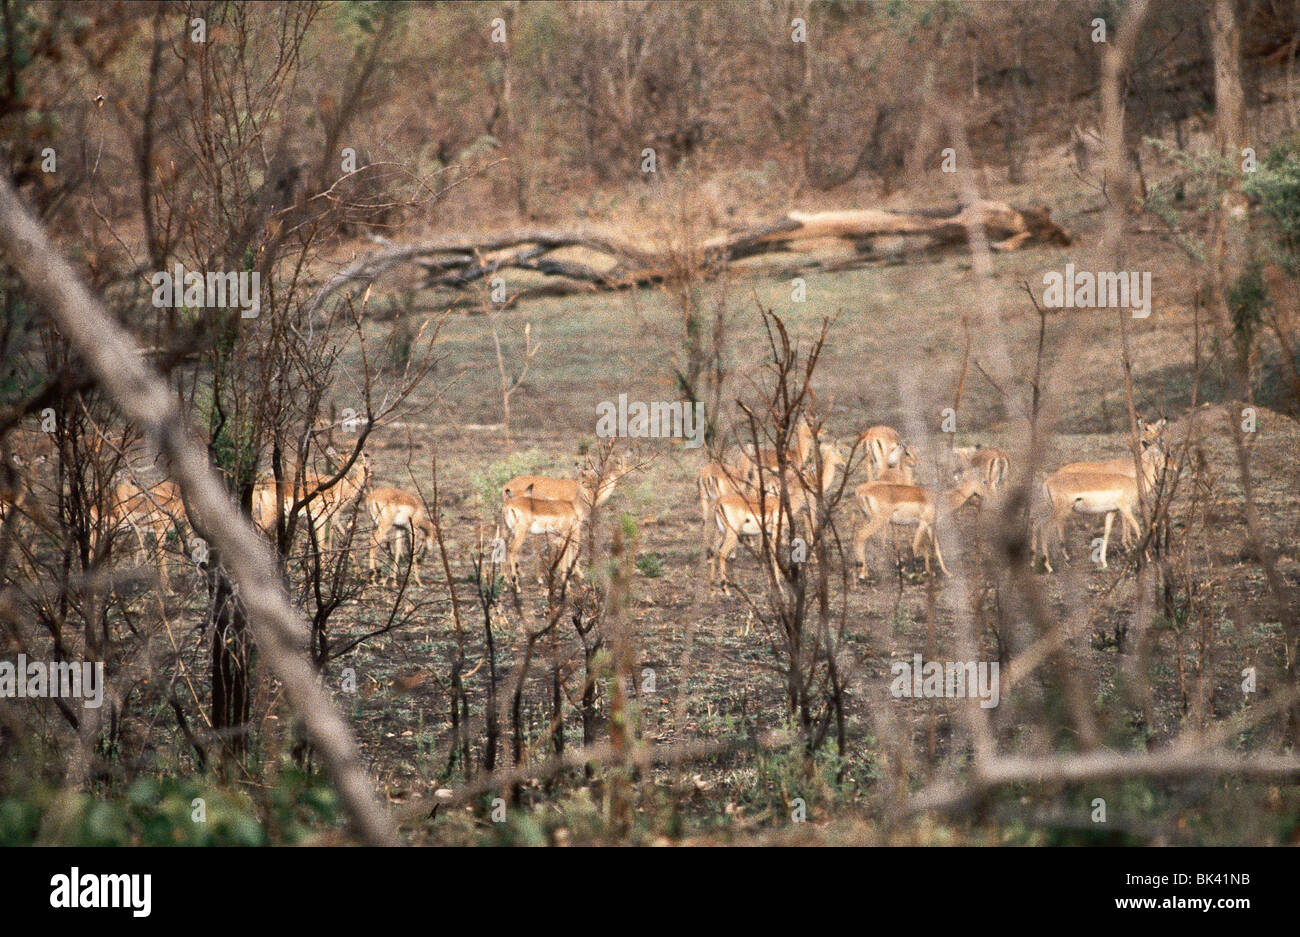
x=171, y=811
x=649, y=565
x=1275, y=186
x=488, y=483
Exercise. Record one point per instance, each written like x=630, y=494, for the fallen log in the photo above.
x=1007, y=228
x=458, y=262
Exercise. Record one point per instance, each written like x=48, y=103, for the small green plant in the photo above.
x=489, y=482
x=783, y=774
x=649, y=565
x=494, y=590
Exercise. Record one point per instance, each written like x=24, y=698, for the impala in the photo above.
x=266, y=503
x=818, y=486
x=325, y=509
x=153, y=511
x=737, y=516
x=1149, y=433
x=991, y=463
x=1106, y=493
x=902, y=470
x=832, y=460
x=17, y=494
x=348, y=490
x=714, y=480
x=769, y=459
x=393, y=509
x=884, y=503
x=555, y=519
x=270, y=495
x=881, y=444
x=1041, y=521
x=1095, y=491
x=567, y=489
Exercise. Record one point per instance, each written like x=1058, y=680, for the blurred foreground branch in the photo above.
x=281, y=632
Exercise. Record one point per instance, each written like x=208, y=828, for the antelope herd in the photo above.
x=735, y=501
x=772, y=494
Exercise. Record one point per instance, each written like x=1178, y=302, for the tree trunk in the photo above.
x=231, y=665
x=1229, y=99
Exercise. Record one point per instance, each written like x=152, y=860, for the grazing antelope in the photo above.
x=152, y=511
x=266, y=503
x=991, y=463
x=268, y=494
x=326, y=509
x=348, y=490
x=1041, y=523
x=737, y=515
x=817, y=487
x=884, y=503
x=968, y=486
x=15, y=495
x=540, y=505
x=881, y=444
x=393, y=509
x=1094, y=491
x=832, y=461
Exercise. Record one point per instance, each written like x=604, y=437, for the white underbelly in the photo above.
x=1083, y=506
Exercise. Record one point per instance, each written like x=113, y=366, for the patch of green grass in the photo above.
x=649, y=565
x=488, y=482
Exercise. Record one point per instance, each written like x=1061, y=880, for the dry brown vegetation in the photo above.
x=462, y=255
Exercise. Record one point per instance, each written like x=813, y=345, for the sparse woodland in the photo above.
x=310, y=311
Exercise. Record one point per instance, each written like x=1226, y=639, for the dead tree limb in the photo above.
x=1101, y=766
x=456, y=262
